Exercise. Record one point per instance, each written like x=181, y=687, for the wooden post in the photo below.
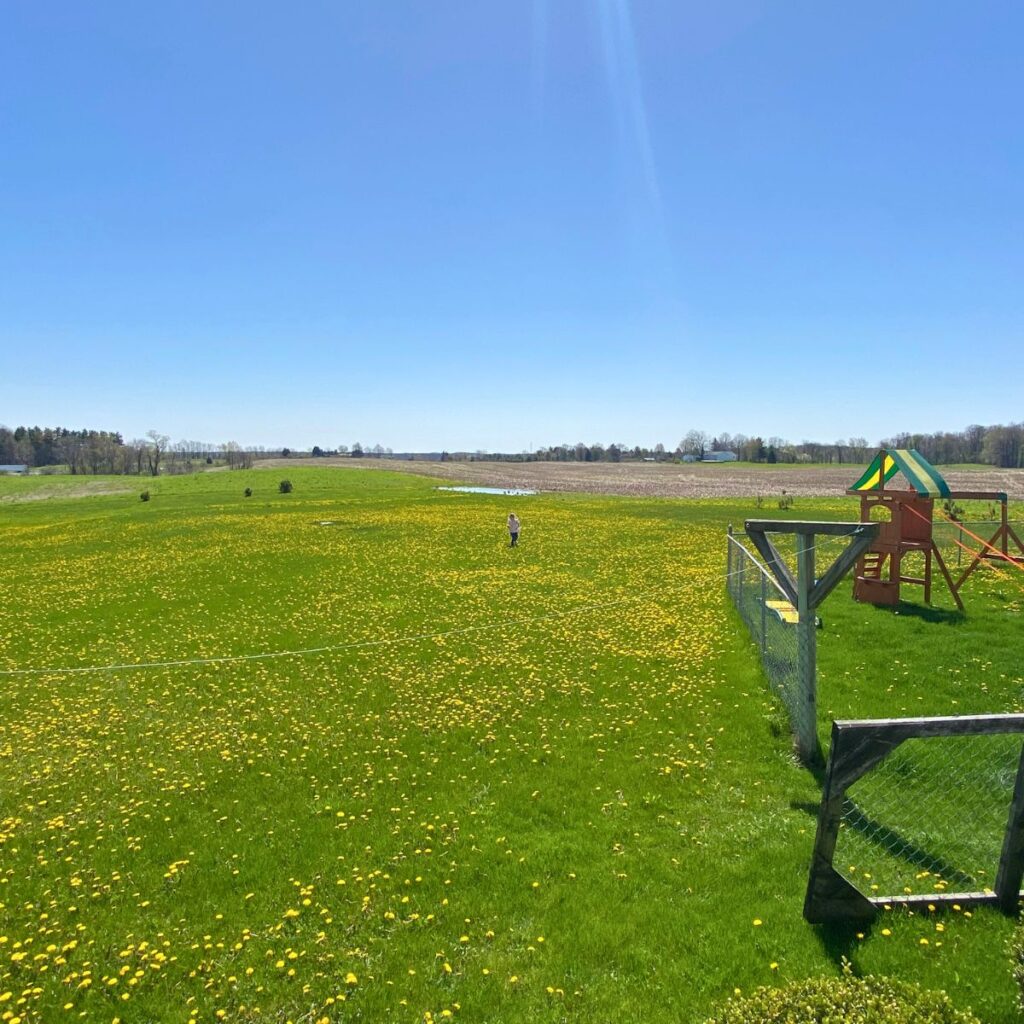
x=764, y=615
x=728, y=561
x=805, y=593
x=807, y=726
x=1011, y=861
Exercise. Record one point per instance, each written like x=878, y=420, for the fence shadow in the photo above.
x=892, y=842
x=897, y=845
x=841, y=940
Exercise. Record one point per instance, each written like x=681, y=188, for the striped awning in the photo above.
x=922, y=476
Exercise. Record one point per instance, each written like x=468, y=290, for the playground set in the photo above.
x=878, y=768
x=905, y=517
x=896, y=522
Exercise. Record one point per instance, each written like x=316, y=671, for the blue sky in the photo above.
x=495, y=225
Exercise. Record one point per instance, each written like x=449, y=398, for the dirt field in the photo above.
x=666, y=480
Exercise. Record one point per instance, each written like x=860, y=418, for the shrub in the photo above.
x=248, y=492
x=1017, y=959
x=955, y=511
x=870, y=1000
x=285, y=487
x=144, y=495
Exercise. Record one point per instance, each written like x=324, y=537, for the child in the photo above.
x=513, y=528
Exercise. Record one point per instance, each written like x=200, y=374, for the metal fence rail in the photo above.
x=752, y=589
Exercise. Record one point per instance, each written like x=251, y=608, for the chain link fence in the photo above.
x=958, y=547
x=763, y=606
x=930, y=818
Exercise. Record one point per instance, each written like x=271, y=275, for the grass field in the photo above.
x=572, y=801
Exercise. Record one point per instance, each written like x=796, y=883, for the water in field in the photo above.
x=512, y=491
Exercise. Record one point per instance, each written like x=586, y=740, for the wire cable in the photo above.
x=380, y=642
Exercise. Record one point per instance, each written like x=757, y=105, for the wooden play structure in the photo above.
x=905, y=517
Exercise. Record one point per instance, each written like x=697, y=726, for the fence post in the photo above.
x=741, y=583
x=806, y=704
x=764, y=614
x=728, y=560
x=1011, y=860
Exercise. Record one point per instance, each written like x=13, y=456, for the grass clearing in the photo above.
x=583, y=817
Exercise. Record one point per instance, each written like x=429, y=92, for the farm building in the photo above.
x=12, y=470
x=690, y=458
x=720, y=457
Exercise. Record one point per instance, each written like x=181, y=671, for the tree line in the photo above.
x=106, y=451
x=998, y=445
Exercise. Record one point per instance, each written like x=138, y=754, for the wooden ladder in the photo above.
x=871, y=565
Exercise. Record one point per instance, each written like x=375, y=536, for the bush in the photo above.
x=1017, y=959
x=285, y=487
x=848, y=1000
x=144, y=495
x=248, y=492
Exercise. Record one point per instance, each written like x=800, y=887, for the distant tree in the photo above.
x=317, y=451
x=1004, y=446
x=236, y=457
x=155, y=450
x=357, y=451
x=858, y=449
x=974, y=440
x=752, y=450
x=286, y=453
x=343, y=449
x=695, y=443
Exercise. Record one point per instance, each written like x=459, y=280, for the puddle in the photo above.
x=511, y=491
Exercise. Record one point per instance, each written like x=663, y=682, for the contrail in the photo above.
x=623, y=74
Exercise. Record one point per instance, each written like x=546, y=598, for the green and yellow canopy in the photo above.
x=920, y=473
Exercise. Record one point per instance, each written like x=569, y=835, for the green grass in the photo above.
x=578, y=817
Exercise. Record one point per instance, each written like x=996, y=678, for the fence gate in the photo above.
x=919, y=811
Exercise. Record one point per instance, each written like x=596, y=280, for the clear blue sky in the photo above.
x=490, y=225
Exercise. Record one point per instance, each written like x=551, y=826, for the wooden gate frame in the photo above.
x=858, y=747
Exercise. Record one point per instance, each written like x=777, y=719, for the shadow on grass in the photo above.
x=940, y=616
x=840, y=940
x=893, y=843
